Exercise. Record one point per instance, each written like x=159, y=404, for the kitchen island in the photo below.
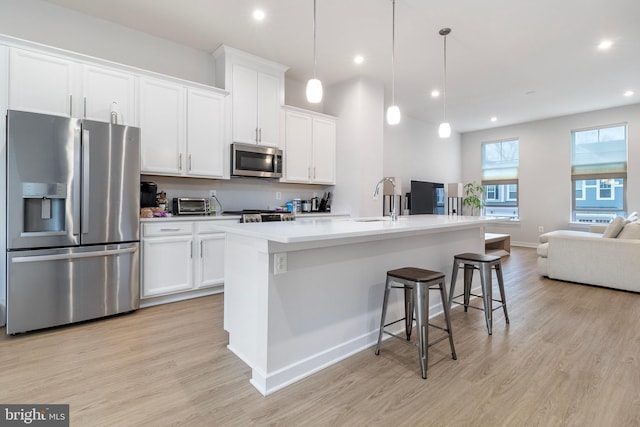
x=300, y=296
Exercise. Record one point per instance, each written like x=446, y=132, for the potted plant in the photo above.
x=473, y=197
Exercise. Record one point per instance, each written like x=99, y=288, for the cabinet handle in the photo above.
x=201, y=254
x=70, y=105
x=191, y=251
x=84, y=106
x=260, y=133
x=256, y=134
x=169, y=229
x=308, y=173
x=314, y=172
x=180, y=161
x=189, y=161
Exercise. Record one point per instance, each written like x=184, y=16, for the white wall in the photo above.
x=414, y=151
x=49, y=24
x=359, y=104
x=545, y=166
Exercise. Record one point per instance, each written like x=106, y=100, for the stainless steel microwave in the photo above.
x=256, y=161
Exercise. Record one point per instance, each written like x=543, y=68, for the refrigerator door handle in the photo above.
x=76, y=186
x=93, y=254
x=85, y=180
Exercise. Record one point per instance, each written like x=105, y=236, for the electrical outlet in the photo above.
x=280, y=263
x=212, y=193
x=540, y=229
x=278, y=195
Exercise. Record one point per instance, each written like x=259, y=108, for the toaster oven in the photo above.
x=190, y=206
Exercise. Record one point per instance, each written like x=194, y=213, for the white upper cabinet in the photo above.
x=257, y=95
x=309, y=147
x=50, y=84
x=103, y=87
x=182, y=129
x=43, y=83
x=162, y=123
x=205, y=133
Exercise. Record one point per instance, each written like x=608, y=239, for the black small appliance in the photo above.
x=148, y=194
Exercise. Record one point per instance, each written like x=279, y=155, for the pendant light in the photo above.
x=445, y=128
x=314, y=86
x=393, y=112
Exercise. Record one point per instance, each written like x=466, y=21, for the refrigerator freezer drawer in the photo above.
x=53, y=287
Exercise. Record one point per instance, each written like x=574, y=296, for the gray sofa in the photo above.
x=593, y=258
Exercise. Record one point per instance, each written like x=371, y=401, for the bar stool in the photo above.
x=416, y=283
x=484, y=264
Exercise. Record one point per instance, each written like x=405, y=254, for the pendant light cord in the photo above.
x=444, y=32
x=393, y=54
x=314, y=39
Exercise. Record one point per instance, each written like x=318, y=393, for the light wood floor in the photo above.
x=569, y=357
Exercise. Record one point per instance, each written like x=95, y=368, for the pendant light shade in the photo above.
x=445, y=128
x=314, y=91
x=393, y=112
x=314, y=86
x=393, y=115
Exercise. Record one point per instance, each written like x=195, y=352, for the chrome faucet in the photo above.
x=394, y=212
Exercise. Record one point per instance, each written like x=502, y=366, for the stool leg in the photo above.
x=385, y=301
x=421, y=304
x=408, y=311
x=468, y=278
x=498, y=268
x=487, y=294
x=454, y=277
x=443, y=297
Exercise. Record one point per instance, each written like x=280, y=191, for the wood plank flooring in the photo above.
x=570, y=357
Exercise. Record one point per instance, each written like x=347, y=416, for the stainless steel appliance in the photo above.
x=255, y=215
x=256, y=161
x=191, y=206
x=72, y=220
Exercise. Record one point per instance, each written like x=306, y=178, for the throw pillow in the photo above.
x=630, y=231
x=614, y=228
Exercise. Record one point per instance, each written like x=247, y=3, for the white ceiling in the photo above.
x=518, y=60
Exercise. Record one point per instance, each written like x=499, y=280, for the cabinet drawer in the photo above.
x=212, y=226
x=167, y=229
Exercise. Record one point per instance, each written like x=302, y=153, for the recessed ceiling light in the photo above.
x=435, y=93
x=605, y=44
x=358, y=59
x=494, y=118
x=258, y=15
x=629, y=93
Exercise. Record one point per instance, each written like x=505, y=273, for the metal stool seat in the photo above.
x=416, y=283
x=484, y=264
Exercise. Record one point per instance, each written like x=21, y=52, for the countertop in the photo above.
x=311, y=230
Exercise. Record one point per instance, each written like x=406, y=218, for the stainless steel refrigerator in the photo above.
x=72, y=234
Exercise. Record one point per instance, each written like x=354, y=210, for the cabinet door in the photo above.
x=205, y=133
x=167, y=265
x=41, y=83
x=324, y=151
x=268, y=110
x=104, y=86
x=162, y=123
x=211, y=261
x=244, y=94
x=297, y=153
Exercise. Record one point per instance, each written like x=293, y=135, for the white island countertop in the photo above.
x=316, y=230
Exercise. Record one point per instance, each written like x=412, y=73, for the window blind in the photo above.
x=500, y=162
x=599, y=153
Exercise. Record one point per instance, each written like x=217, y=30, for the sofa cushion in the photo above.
x=543, y=249
x=544, y=238
x=614, y=228
x=630, y=231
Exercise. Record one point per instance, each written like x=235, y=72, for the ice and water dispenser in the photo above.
x=44, y=207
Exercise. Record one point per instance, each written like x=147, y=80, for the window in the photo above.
x=500, y=177
x=598, y=173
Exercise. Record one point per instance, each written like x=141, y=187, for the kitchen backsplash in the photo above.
x=238, y=193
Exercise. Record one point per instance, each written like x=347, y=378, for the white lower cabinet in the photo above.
x=180, y=258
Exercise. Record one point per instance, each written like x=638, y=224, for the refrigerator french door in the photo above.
x=72, y=220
